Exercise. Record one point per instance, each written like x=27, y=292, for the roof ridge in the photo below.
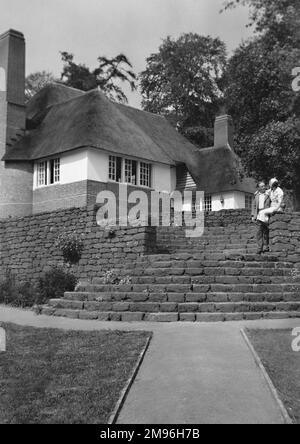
x=139, y=110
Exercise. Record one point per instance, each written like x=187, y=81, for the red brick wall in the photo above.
x=15, y=178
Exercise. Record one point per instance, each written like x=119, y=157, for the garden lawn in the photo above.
x=64, y=377
x=274, y=348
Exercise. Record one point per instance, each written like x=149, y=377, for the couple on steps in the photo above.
x=267, y=202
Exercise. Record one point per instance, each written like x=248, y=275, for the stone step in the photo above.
x=171, y=307
x=167, y=317
x=187, y=288
x=180, y=297
x=198, y=269
x=201, y=263
x=216, y=256
x=224, y=250
x=192, y=277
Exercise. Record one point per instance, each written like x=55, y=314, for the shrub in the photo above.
x=71, y=246
x=51, y=286
x=16, y=294
x=54, y=284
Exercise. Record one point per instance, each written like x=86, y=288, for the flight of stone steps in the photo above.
x=218, y=277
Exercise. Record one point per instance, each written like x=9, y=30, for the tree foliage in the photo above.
x=183, y=81
x=259, y=94
x=278, y=17
x=107, y=76
x=36, y=81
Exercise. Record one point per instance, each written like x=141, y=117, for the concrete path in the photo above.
x=192, y=373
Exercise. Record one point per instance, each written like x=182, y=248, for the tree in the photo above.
x=278, y=17
x=183, y=81
x=259, y=92
x=106, y=76
x=36, y=81
x=273, y=151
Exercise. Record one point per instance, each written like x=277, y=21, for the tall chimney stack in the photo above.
x=224, y=131
x=15, y=177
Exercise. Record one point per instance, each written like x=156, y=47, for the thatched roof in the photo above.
x=61, y=119
x=220, y=169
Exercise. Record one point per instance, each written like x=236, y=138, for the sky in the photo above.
x=93, y=28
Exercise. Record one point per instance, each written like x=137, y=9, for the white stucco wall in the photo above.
x=163, y=178
x=97, y=166
x=93, y=165
x=74, y=167
x=232, y=201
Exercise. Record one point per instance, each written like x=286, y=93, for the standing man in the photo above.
x=262, y=202
x=277, y=202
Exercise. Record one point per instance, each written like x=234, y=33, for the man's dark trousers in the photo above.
x=262, y=235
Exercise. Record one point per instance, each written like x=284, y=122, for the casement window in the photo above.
x=208, y=203
x=48, y=172
x=248, y=201
x=54, y=171
x=115, y=169
x=130, y=172
x=145, y=174
x=42, y=174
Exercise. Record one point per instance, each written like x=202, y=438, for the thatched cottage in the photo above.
x=65, y=146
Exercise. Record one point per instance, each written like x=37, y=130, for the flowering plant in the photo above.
x=71, y=245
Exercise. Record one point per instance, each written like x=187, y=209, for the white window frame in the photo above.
x=129, y=178
x=248, y=201
x=56, y=170
x=145, y=174
x=127, y=171
x=208, y=203
x=112, y=168
x=44, y=174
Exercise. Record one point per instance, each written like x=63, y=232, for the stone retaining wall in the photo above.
x=285, y=236
x=27, y=245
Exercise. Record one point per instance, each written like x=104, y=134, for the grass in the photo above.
x=52, y=376
x=274, y=348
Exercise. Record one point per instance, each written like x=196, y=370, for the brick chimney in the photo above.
x=224, y=131
x=15, y=177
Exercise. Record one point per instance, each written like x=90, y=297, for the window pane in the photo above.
x=56, y=170
x=112, y=168
x=115, y=169
x=248, y=201
x=145, y=174
x=42, y=174
x=208, y=203
x=130, y=171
